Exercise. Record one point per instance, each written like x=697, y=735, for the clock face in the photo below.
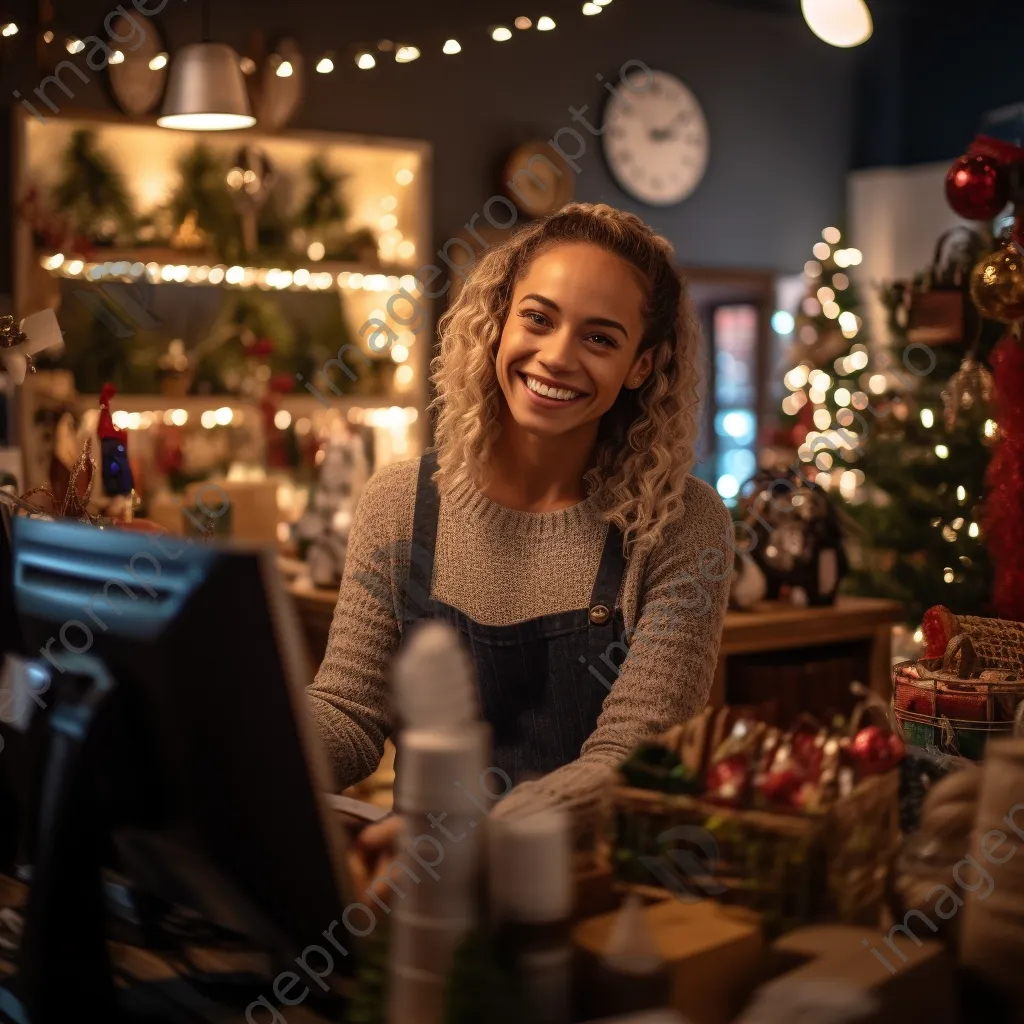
x=655, y=138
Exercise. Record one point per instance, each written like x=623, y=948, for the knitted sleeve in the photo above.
x=350, y=695
x=669, y=668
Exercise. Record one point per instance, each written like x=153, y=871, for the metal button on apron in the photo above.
x=599, y=614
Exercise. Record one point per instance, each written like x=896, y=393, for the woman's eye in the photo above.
x=538, y=319
x=602, y=339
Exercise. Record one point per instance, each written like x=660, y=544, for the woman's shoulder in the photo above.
x=389, y=495
x=703, y=520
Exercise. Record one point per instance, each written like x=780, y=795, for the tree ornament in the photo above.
x=116, y=472
x=875, y=750
x=977, y=187
x=968, y=392
x=997, y=284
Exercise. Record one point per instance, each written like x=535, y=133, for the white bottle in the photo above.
x=443, y=751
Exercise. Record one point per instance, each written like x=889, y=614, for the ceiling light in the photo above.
x=842, y=23
x=206, y=91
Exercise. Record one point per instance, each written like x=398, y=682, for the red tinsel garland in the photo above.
x=1004, y=513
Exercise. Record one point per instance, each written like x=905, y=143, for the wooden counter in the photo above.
x=859, y=628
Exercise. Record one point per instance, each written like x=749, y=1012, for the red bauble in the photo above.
x=977, y=187
x=727, y=781
x=782, y=786
x=875, y=750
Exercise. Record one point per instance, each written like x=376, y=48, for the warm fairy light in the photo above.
x=282, y=419
x=451, y=46
x=117, y=57
x=972, y=530
x=927, y=418
x=790, y=406
x=876, y=385
x=842, y=259
x=406, y=250
x=811, y=306
x=831, y=235
x=822, y=419
x=223, y=416
x=208, y=419
x=823, y=480
x=217, y=275
x=821, y=251
x=404, y=375
x=316, y=251
x=501, y=34
x=830, y=309
x=301, y=277
x=523, y=23
x=816, y=395
x=589, y=8
x=958, y=523
x=796, y=378
x=406, y=54
x=388, y=203
x=840, y=282
x=404, y=176
x=11, y=29
x=399, y=353
x=545, y=24
x=247, y=66
x=179, y=417
x=918, y=635
x=947, y=575
x=158, y=63
x=74, y=45
x=823, y=460
x=284, y=69
x=855, y=257
x=942, y=451
x=325, y=65
x=848, y=324
x=841, y=397
x=825, y=294
x=365, y=61
x=859, y=400
x=388, y=222
x=858, y=358
x=990, y=428
x=848, y=484
x=961, y=493
x=812, y=268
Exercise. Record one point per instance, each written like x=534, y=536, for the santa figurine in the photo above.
x=115, y=495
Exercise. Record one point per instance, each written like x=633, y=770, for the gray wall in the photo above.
x=780, y=104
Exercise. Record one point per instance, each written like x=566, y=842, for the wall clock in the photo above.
x=655, y=138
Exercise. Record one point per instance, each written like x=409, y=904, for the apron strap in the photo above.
x=424, y=539
x=609, y=575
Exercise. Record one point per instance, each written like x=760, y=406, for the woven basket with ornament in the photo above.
x=957, y=702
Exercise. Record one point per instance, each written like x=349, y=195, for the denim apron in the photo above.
x=541, y=682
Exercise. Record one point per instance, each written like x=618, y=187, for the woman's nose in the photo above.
x=559, y=350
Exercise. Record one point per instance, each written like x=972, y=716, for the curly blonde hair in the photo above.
x=645, y=445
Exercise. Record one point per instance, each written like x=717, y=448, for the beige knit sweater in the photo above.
x=501, y=566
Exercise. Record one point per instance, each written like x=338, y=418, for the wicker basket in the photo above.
x=793, y=869
x=953, y=708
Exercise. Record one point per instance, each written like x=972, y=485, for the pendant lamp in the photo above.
x=843, y=23
x=206, y=91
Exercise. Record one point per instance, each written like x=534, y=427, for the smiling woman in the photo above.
x=555, y=525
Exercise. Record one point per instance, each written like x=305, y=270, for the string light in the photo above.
x=973, y=530
x=451, y=46
x=523, y=23
x=406, y=54
x=117, y=57
x=284, y=69
x=821, y=251
x=591, y=9
x=942, y=451
x=10, y=29
x=365, y=61
x=831, y=235
x=545, y=24
x=158, y=63
x=927, y=418
x=325, y=65
x=501, y=34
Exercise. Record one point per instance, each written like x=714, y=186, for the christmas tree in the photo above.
x=922, y=440
x=827, y=390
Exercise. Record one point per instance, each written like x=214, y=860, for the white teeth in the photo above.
x=562, y=394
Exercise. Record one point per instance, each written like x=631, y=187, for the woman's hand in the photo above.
x=370, y=856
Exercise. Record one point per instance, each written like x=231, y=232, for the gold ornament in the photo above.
x=11, y=335
x=997, y=284
x=968, y=392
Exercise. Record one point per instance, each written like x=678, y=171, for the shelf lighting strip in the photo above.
x=272, y=279
x=392, y=417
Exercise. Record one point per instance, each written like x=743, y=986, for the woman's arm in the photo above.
x=349, y=697
x=673, y=650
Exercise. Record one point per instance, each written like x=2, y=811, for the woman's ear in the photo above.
x=641, y=369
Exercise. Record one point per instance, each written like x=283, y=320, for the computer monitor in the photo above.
x=178, y=729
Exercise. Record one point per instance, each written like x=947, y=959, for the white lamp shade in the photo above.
x=206, y=91
x=838, y=22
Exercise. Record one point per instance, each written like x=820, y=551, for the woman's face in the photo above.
x=570, y=342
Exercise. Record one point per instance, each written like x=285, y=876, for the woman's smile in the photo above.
x=549, y=393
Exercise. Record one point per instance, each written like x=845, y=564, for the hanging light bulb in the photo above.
x=841, y=23
x=501, y=34
x=284, y=69
x=451, y=46
x=365, y=61
x=325, y=65
x=545, y=24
